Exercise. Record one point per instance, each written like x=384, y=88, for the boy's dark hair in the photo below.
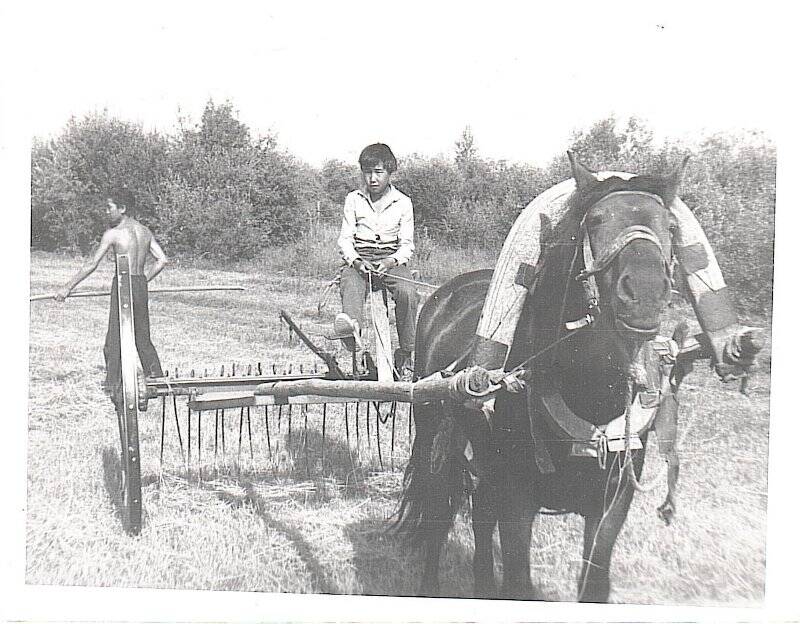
x=377, y=153
x=123, y=197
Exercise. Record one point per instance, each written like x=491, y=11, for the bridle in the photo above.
x=596, y=265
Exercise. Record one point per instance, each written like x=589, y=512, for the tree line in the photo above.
x=212, y=188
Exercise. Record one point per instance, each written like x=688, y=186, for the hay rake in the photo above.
x=242, y=398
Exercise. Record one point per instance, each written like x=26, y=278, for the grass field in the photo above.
x=293, y=518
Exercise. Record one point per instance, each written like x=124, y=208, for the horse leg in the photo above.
x=515, y=523
x=602, y=526
x=484, y=519
x=433, y=550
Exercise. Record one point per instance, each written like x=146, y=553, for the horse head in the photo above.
x=625, y=240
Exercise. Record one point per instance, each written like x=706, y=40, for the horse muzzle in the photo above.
x=636, y=332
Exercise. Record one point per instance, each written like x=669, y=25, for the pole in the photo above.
x=105, y=293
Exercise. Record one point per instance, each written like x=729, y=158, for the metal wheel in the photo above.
x=128, y=404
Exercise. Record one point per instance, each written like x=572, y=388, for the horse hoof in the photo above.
x=666, y=512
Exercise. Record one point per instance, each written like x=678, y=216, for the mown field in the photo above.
x=300, y=516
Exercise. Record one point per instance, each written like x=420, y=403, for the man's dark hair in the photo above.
x=124, y=197
x=377, y=153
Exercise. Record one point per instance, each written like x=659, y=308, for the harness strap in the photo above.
x=594, y=265
x=666, y=428
x=565, y=422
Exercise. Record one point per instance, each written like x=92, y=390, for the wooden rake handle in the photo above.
x=106, y=293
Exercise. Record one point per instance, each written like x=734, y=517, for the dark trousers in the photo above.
x=141, y=323
x=354, y=289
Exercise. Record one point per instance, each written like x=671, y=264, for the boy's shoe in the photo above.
x=348, y=331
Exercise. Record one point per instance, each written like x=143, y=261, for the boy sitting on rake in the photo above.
x=376, y=242
x=125, y=236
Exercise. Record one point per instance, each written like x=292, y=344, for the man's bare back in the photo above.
x=136, y=241
x=126, y=236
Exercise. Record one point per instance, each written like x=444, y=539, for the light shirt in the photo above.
x=382, y=226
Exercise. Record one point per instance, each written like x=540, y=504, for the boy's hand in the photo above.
x=362, y=266
x=384, y=265
x=61, y=294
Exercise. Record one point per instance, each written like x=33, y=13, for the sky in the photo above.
x=329, y=78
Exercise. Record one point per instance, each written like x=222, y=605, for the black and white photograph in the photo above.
x=342, y=311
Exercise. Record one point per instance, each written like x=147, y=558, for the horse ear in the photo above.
x=676, y=176
x=584, y=178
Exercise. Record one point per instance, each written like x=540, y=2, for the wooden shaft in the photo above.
x=105, y=293
x=433, y=388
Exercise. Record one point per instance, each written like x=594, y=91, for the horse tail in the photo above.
x=436, y=481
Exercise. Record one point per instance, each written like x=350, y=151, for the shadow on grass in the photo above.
x=112, y=479
x=321, y=584
x=351, y=458
x=385, y=564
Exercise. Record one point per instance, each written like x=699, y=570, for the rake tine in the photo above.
x=178, y=427
x=163, y=427
x=391, y=457
x=199, y=438
x=222, y=423
x=239, y=451
x=216, y=437
x=250, y=437
x=369, y=433
x=305, y=438
x=346, y=425
x=188, y=442
x=358, y=434
x=378, y=432
x=266, y=424
x=278, y=439
x=324, y=421
x=289, y=438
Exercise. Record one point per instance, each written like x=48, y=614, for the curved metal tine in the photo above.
x=188, y=442
x=289, y=434
x=199, y=439
x=324, y=422
x=222, y=431
x=278, y=437
x=394, y=417
x=347, y=425
x=163, y=427
x=266, y=426
x=239, y=450
x=304, y=410
x=369, y=432
x=250, y=438
x=378, y=431
x=216, y=440
x=358, y=433
x=178, y=428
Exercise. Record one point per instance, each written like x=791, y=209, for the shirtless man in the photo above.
x=125, y=236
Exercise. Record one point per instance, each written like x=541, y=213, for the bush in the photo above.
x=213, y=189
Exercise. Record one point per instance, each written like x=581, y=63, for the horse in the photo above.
x=624, y=227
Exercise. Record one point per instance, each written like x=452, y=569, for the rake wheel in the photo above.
x=128, y=405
